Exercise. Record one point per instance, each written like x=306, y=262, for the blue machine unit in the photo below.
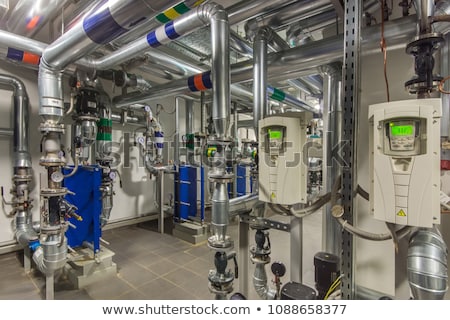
x=241, y=181
x=85, y=183
x=186, y=192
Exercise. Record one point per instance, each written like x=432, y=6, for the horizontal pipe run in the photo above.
x=6, y=132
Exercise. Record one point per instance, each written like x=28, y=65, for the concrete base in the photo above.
x=191, y=232
x=87, y=270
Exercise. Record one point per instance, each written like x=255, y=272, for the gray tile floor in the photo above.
x=150, y=266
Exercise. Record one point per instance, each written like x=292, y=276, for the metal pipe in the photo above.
x=260, y=283
x=289, y=63
x=260, y=105
x=427, y=265
x=22, y=158
x=24, y=232
x=332, y=122
x=21, y=43
x=245, y=10
x=28, y=17
x=299, y=10
x=6, y=132
x=243, y=204
x=424, y=10
x=442, y=9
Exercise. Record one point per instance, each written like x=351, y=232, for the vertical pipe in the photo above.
x=220, y=35
x=260, y=105
x=176, y=151
x=332, y=113
x=189, y=128
x=296, y=245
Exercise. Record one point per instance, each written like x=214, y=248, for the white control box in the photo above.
x=283, y=169
x=404, y=138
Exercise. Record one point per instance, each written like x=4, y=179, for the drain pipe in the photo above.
x=21, y=202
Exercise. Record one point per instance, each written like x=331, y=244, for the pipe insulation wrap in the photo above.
x=21, y=111
x=260, y=283
x=427, y=265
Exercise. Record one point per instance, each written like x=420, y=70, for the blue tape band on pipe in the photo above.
x=206, y=77
x=159, y=145
x=152, y=40
x=14, y=54
x=101, y=27
x=170, y=31
x=191, y=84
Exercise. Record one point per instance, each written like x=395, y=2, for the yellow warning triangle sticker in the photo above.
x=401, y=213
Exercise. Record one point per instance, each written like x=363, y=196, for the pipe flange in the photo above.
x=47, y=127
x=22, y=178
x=259, y=252
x=415, y=86
x=87, y=117
x=221, y=177
x=220, y=283
x=52, y=229
x=49, y=193
x=260, y=259
x=434, y=40
x=52, y=162
x=220, y=244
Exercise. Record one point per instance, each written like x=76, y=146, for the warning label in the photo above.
x=401, y=213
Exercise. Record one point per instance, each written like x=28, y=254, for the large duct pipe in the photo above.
x=427, y=265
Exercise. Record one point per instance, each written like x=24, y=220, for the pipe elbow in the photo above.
x=38, y=258
x=209, y=11
x=260, y=283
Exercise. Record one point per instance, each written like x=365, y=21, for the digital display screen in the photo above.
x=401, y=130
x=274, y=134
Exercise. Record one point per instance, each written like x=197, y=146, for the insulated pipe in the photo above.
x=24, y=232
x=205, y=14
x=243, y=204
x=260, y=283
x=6, y=132
x=24, y=44
x=28, y=17
x=289, y=63
x=22, y=158
x=427, y=265
x=260, y=105
x=424, y=10
x=107, y=21
x=296, y=11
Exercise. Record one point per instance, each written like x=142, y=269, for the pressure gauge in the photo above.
x=57, y=177
x=112, y=175
x=140, y=140
x=147, y=109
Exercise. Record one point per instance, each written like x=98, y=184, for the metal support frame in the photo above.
x=351, y=79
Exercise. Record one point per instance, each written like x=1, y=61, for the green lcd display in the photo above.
x=274, y=134
x=404, y=130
